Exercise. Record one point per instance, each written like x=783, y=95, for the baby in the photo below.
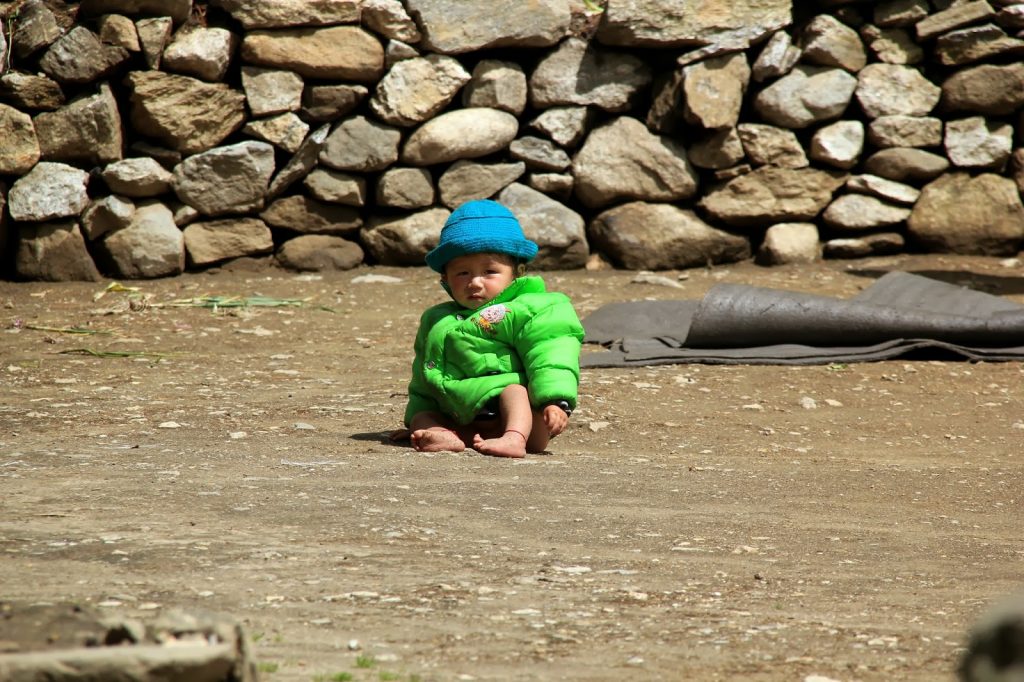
x=496, y=368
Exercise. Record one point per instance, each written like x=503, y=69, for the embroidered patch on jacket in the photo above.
x=490, y=316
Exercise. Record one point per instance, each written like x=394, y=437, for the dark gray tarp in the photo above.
x=737, y=324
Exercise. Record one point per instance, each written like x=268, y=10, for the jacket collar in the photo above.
x=520, y=285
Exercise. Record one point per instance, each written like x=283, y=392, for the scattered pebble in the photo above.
x=236, y=435
x=353, y=645
x=808, y=403
x=597, y=426
x=573, y=570
x=303, y=426
x=168, y=425
x=376, y=279
x=659, y=280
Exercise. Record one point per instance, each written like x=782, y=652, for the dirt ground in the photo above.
x=694, y=522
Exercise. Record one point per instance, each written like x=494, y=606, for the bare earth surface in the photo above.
x=694, y=522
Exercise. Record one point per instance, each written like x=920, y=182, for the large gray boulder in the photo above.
x=404, y=240
x=299, y=213
x=35, y=92
x=137, y=177
x=788, y=243
x=644, y=236
x=319, y=253
x=805, y=96
x=214, y=241
x=336, y=187
x=54, y=252
x=107, y=214
x=827, y=41
x=37, y=28
x=958, y=213
x=201, y=52
x=560, y=232
x=271, y=91
x=978, y=143
x=468, y=180
x=460, y=134
x=624, y=160
x=151, y=246
x=79, y=57
x=87, y=130
x=581, y=73
x=186, y=114
x=861, y=212
x=389, y=19
x=225, y=180
x=360, y=144
x=894, y=89
x=988, y=89
x=458, y=26
x=652, y=23
x=906, y=164
x=48, y=191
x=20, y=150
x=346, y=53
x=712, y=91
x=498, y=85
x=770, y=195
x=400, y=97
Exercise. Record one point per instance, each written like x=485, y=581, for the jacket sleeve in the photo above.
x=420, y=399
x=549, y=345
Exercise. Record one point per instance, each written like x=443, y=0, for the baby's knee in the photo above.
x=515, y=391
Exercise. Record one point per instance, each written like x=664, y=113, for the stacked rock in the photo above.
x=141, y=138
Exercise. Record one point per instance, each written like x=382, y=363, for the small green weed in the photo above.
x=386, y=676
x=365, y=661
x=267, y=667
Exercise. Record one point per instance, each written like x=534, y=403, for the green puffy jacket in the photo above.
x=464, y=357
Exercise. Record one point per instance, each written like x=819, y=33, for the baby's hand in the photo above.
x=555, y=419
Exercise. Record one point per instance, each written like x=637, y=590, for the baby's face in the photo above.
x=476, y=278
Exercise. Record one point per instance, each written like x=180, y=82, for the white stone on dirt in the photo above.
x=790, y=243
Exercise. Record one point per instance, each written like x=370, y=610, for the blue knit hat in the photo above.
x=481, y=226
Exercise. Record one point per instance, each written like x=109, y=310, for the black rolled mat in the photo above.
x=737, y=324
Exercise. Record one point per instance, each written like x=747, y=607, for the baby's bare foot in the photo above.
x=436, y=440
x=511, y=444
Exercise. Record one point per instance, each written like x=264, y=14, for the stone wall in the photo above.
x=140, y=138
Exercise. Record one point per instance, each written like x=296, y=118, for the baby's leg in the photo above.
x=432, y=432
x=517, y=420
